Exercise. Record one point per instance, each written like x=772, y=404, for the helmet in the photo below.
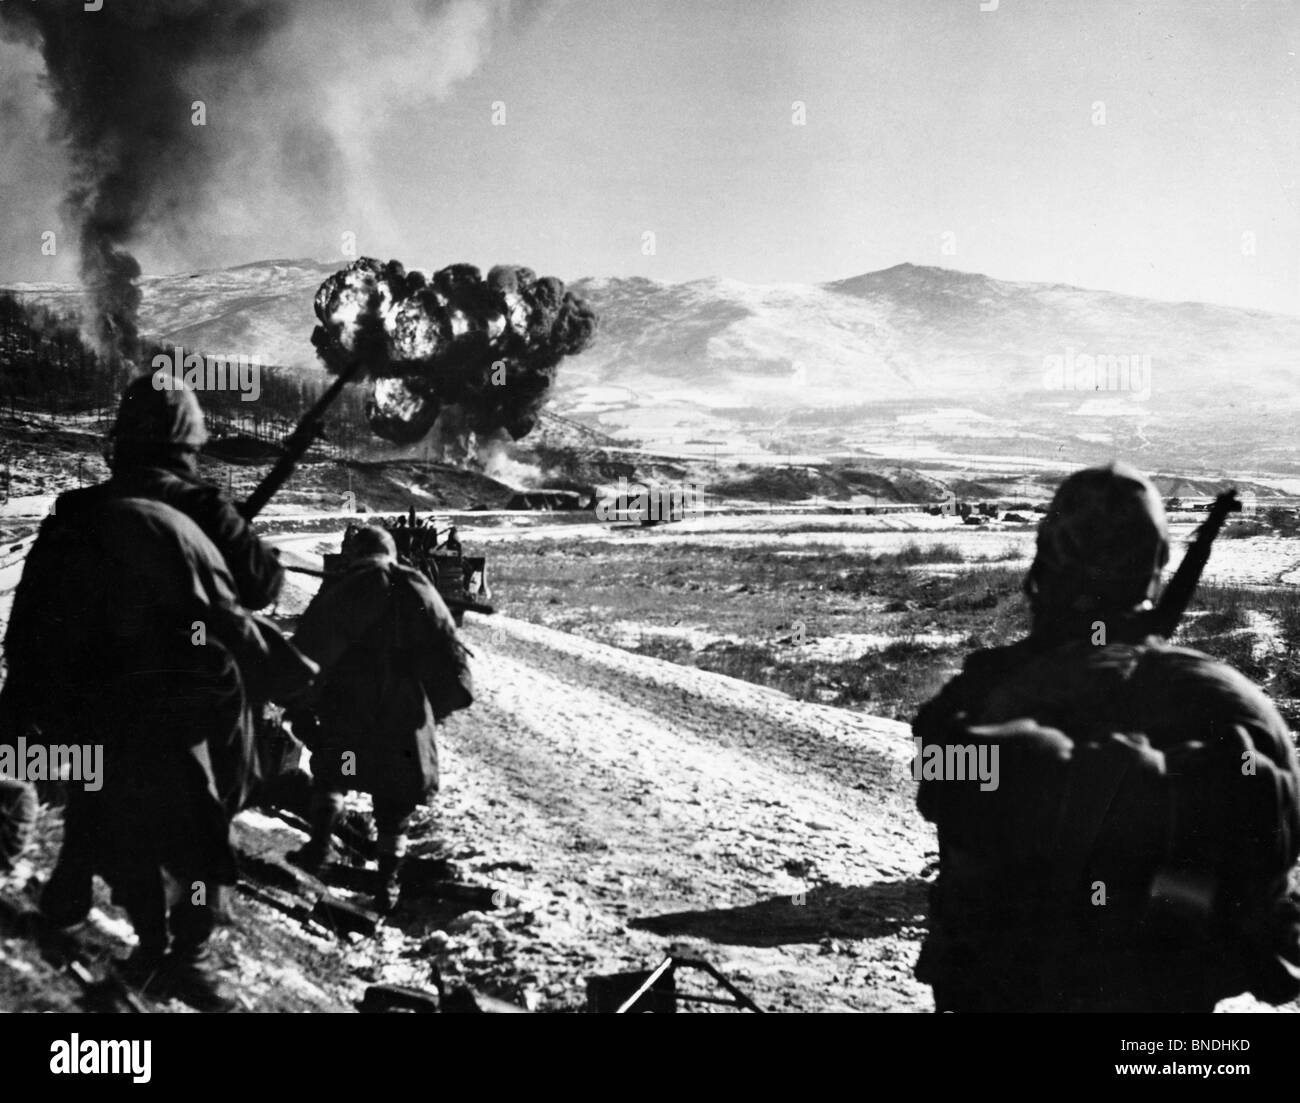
x=158, y=411
x=1102, y=544
x=364, y=541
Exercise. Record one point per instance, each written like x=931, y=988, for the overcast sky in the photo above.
x=1123, y=145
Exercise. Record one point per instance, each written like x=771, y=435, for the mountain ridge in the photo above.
x=958, y=361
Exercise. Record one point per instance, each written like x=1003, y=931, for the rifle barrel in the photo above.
x=1178, y=594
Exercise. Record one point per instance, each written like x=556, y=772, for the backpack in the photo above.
x=426, y=644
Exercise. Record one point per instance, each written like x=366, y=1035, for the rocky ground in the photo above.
x=636, y=805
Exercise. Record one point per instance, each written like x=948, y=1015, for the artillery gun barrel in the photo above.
x=304, y=435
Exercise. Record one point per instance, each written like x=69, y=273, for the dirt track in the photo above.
x=655, y=804
x=629, y=804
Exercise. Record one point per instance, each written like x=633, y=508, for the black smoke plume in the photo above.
x=451, y=351
x=122, y=81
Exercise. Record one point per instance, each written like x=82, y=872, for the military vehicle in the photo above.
x=430, y=545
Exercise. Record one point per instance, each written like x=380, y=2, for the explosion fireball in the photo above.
x=465, y=357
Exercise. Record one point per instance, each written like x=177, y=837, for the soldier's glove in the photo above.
x=1007, y=804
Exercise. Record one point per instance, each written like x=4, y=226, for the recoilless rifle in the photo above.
x=310, y=429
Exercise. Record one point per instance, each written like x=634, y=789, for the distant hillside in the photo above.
x=894, y=362
x=262, y=309
x=911, y=356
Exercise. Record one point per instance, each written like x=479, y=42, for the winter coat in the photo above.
x=124, y=632
x=374, y=632
x=254, y=567
x=1135, y=851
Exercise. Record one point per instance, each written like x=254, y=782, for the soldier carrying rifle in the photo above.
x=1134, y=855
x=391, y=670
x=130, y=629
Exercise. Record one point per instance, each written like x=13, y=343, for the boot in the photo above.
x=69, y=892
x=325, y=813
x=67, y=895
x=312, y=857
x=140, y=968
x=145, y=903
x=390, y=888
x=189, y=974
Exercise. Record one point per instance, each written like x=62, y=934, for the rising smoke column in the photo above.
x=293, y=90
x=121, y=79
x=453, y=350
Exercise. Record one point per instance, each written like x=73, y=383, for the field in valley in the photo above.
x=835, y=613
